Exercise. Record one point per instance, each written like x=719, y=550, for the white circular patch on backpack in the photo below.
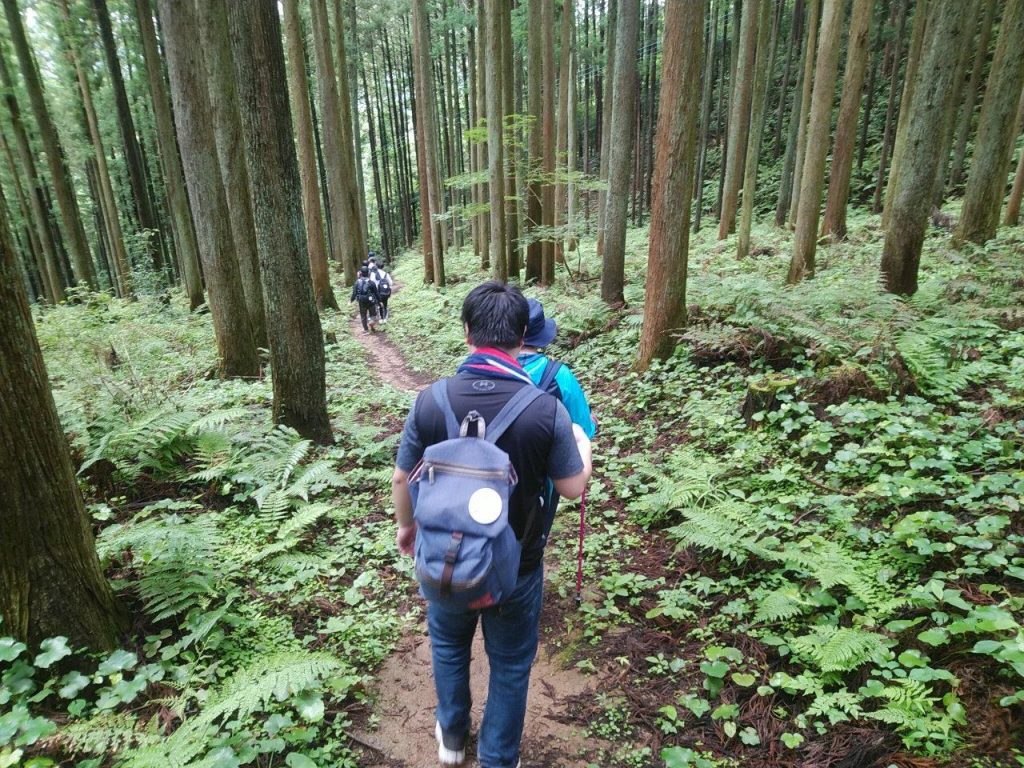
x=485, y=506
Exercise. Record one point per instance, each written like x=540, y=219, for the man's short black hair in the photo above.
x=495, y=315
x=364, y=272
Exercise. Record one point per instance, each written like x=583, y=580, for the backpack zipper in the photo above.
x=461, y=469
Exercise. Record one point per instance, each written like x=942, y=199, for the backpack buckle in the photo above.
x=450, y=557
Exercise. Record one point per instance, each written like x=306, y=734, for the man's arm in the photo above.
x=403, y=511
x=573, y=487
x=569, y=462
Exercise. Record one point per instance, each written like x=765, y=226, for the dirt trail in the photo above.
x=404, y=687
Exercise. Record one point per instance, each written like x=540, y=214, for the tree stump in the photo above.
x=763, y=396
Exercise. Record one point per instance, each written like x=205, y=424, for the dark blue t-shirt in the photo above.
x=540, y=444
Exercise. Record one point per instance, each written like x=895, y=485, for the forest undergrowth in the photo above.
x=804, y=543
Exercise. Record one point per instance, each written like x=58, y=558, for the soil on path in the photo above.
x=404, y=687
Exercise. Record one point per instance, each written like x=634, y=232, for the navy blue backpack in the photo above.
x=467, y=554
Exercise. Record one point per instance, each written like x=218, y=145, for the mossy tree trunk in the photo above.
x=495, y=136
x=739, y=118
x=758, y=103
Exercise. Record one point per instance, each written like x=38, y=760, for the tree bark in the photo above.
x=347, y=93
x=50, y=578
x=495, y=157
x=194, y=119
x=174, y=182
x=739, y=118
x=619, y=161
x=810, y=54
x=296, y=338
x=890, y=110
x=997, y=129
x=562, y=143
x=704, y=133
x=480, y=97
x=60, y=176
x=759, y=99
x=675, y=144
x=956, y=176
x=313, y=218
x=1012, y=217
x=547, y=32
x=147, y=217
x=534, y=195
x=795, y=39
x=508, y=108
x=812, y=174
x=227, y=130
x=834, y=223
x=611, y=30
x=912, y=199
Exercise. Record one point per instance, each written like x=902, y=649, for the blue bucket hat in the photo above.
x=540, y=331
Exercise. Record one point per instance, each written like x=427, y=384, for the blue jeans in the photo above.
x=510, y=639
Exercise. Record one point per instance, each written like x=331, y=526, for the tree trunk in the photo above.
x=37, y=200
x=43, y=289
x=296, y=338
x=495, y=158
x=508, y=108
x=534, y=202
x=876, y=55
x=350, y=120
x=480, y=97
x=705, y=119
x=665, y=299
x=1012, y=217
x=227, y=129
x=834, y=223
x=51, y=583
x=739, y=119
x=147, y=217
x=547, y=34
x=997, y=129
x=561, y=145
x=619, y=161
x=313, y=218
x=174, y=182
x=611, y=30
x=122, y=269
x=59, y=175
x=912, y=197
x=890, y=110
x=917, y=37
x=475, y=229
x=813, y=171
x=956, y=175
x=194, y=119
x=795, y=38
x=810, y=54
x=759, y=99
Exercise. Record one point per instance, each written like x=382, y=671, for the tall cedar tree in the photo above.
x=296, y=338
x=212, y=16
x=675, y=145
x=60, y=176
x=299, y=86
x=565, y=60
x=806, y=90
x=1012, y=216
x=786, y=182
x=611, y=27
x=547, y=35
x=890, y=111
x=495, y=157
x=512, y=170
x=997, y=130
x=174, y=180
x=739, y=118
x=349, y=129
x=834, y=223
x=812, y=174
x=480, y=98
x=194, y=120
x=534, y=197
x=757, y=110
x=963, y=131
x=912, y=196
x=621, y=147
x=50, y=578
x=137, y=176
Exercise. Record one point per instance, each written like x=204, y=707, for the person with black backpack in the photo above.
x=383, y=282
x=365, y=292
x=468, y=492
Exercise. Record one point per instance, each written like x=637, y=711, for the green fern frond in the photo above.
x=839, y=649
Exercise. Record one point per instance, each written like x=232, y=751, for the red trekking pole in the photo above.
x=579, y=556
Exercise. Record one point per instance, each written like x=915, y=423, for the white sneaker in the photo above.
x=451, y=753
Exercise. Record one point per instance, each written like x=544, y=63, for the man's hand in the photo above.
x=406, y=539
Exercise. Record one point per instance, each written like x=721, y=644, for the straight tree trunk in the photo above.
x=212, y=16
x=51, y=583
x=43, y=289
x=875, y=56
x=912, y=200
x=509, y=108
x=997, y=129
x=795, y=40
x=534, y=195
x=475, y=229
x=739, y=119
x=40, y=212
x=665, y=299
x=480, y=96
x=1012, y=217
x=147, y=217
x=60, y=176
x=810, y=56
x=611, y=27
x=174, y=181
x=296, y=338
x=963, y=134
x=813, y=172
x=495, y=157
x=194, y=119
x=313, y=218
x=834, y=223
x=547, y=271
x=347, y=94
x=705, y=119
x=787, y=181
x=890, y=110
x=562, y=143
x=619, y=161
x=759, y=99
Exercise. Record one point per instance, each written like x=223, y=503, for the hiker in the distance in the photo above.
x=384, y=285
x=534, y=430
x=365, y=292
x=555, y=378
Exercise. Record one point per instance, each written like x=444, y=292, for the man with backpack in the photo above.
x=365, y=292
x=382, y=280
x=475, y=453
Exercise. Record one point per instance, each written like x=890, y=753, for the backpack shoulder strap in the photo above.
x=550, y=371
x=439, y=389
x=518, y=403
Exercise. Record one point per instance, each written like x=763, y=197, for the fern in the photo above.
x=105, y=733
x=730, y=527
x=782, y=603
x=839, y=649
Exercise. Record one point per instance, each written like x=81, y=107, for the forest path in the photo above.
x=404, y=687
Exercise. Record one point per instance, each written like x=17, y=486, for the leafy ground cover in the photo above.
x=804, y=543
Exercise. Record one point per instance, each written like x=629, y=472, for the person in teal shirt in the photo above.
x=540, y=332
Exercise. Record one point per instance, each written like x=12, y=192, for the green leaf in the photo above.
x=698, y=706
x=743, y=679
x=71, y=684
x=118, y=661
x=730, y=728
x=714, y=668
x=298, y=760
x=792, y=740
x=749, y=737
x=10, y=649
x=987, y=647
x=935, y=636
x=912, y=658
x=51, y=650
x=310, y=706
x=223, y=757
x=725, y=711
